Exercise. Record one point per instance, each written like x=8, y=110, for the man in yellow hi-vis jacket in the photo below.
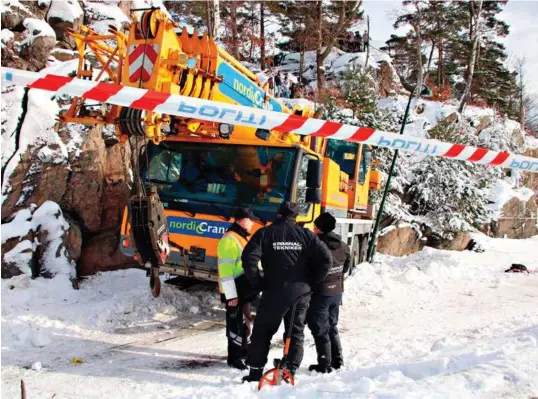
x=229, y=252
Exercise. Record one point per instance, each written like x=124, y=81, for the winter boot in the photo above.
x=337, y=360
x=324, y=358
x=237, y=363
x=254, y=375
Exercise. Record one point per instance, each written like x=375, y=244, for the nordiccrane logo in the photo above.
x=200, y=228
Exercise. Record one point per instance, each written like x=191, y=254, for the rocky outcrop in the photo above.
x=518, y=220
x=388, y=82
x=92, y=186
x=102, y=253
x=399, y=240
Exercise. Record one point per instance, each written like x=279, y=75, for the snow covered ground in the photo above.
x=433, y=324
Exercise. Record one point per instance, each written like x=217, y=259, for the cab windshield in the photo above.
x=216, y=178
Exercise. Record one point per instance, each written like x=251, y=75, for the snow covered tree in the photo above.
x=450, y=196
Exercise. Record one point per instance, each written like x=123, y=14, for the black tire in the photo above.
x=355, y=253
x=363, y=252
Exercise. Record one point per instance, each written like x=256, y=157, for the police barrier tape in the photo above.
x=174, y=104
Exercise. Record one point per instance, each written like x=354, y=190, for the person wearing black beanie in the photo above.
x=293, y=260
x=322, y=317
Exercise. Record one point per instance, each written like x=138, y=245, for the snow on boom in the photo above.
x=175, y=104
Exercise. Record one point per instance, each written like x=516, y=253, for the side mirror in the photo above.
x=313, y=196
x=313, y=174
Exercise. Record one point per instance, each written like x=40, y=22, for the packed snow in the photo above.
x=433, y=324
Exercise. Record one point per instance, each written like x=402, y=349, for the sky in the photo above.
x=521, y=15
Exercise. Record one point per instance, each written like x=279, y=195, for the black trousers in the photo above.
x=273, y=308
x=238, y=329
x=323, y=318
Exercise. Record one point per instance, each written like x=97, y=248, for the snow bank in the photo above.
x=65, y=10
x=105, y=302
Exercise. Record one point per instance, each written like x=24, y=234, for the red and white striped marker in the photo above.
x=142, y=58
x=174, y=104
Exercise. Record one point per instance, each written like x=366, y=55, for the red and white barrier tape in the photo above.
x=174, y=104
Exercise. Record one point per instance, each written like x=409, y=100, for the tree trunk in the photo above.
x=430, y=57
x=367, y=46
x=233, y=23
x=216, y=18
x=209, y=19
x=320, y=69
x=440, y=64
x=262, y=35
x=301, y=64
x=521, y=96
x=420, y=76
x=472, y=57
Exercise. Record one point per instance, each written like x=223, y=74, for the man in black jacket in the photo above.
x=293, y=260
x=322, y=315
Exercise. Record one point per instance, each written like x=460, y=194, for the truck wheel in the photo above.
x=363, y=253
x=355, y=253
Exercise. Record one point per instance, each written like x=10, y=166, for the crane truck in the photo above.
x=190, y=174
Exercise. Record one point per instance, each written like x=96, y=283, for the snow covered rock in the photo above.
x=63, y=15
x=39, y=42
x=13, y=13
x=36, y=243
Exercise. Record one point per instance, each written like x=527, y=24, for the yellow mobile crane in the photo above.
x=192, y=173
